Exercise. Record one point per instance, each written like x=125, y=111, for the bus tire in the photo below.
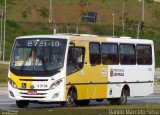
x=83, y=102
x=22, y=104
x=71, y=100
x=99, y=100
x=123, y=99
x=113, y=101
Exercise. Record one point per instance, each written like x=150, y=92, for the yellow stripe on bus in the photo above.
x=19, y=83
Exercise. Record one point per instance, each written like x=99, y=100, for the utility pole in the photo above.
x=50, y=11
x=123, y=16
x=143, y=10
x=1, y=40
x=138, y=31
x=113, y=23
x=141, y=25
x=78, y=25
x=4, y=40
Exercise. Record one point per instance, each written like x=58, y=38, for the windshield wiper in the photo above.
x=22, y=67
x=43, y=63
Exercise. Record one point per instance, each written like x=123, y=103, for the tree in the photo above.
x=44, y=12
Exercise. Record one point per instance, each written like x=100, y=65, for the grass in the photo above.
x=71, y=10
x=3, y=74
x=92, y=110
x=8, y=1
x=15, y=29
x=157, y=82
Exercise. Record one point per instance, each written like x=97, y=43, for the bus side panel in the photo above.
x=139, y=78
x=81, y=91
x=114, y=90
x=97, y=76
x=101, y=91
x=141, y=89
x=90, y=82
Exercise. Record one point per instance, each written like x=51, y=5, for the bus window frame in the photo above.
x=100, y=55
x=83, y=60
x=135, y=55
x=118, y=56
x=150, y=54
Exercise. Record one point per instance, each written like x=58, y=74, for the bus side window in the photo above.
x=95, y=53
x=127, y=54
x=75, y=59
x=144, y=54
x=110, y=54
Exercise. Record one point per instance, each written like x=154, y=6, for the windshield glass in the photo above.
x=38, y=56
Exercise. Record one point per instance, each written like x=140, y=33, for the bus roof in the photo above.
x=62, y=36
x=111, y=39
x=90, y=38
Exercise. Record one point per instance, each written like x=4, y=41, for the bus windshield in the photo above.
x=38, y=56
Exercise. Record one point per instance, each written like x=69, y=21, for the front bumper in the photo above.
x=42, y=95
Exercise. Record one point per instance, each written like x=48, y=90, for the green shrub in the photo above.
x=12, y=24
x=44, y=12
x=24, y=14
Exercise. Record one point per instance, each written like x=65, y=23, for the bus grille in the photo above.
x=33, y=79
x=32, y=97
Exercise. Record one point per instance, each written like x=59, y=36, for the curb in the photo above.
x=6, y=62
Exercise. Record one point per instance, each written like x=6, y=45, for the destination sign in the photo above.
x=31, y=43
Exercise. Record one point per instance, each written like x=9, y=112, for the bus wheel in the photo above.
x=83, y=102
x=123, y=99
x=22, y=104
x=99, y=100
x=71, y=100
x=113, y=101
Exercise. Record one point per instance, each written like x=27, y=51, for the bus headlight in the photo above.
x=12, y=83
x=55, y=84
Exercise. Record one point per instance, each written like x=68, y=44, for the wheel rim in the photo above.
x=123, y=97
x=71, y=99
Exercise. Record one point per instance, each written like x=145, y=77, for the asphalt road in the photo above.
x=6, y=103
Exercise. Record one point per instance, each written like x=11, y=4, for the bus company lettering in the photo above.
x=116, y=72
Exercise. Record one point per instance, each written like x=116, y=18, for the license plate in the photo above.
x=32, y=92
